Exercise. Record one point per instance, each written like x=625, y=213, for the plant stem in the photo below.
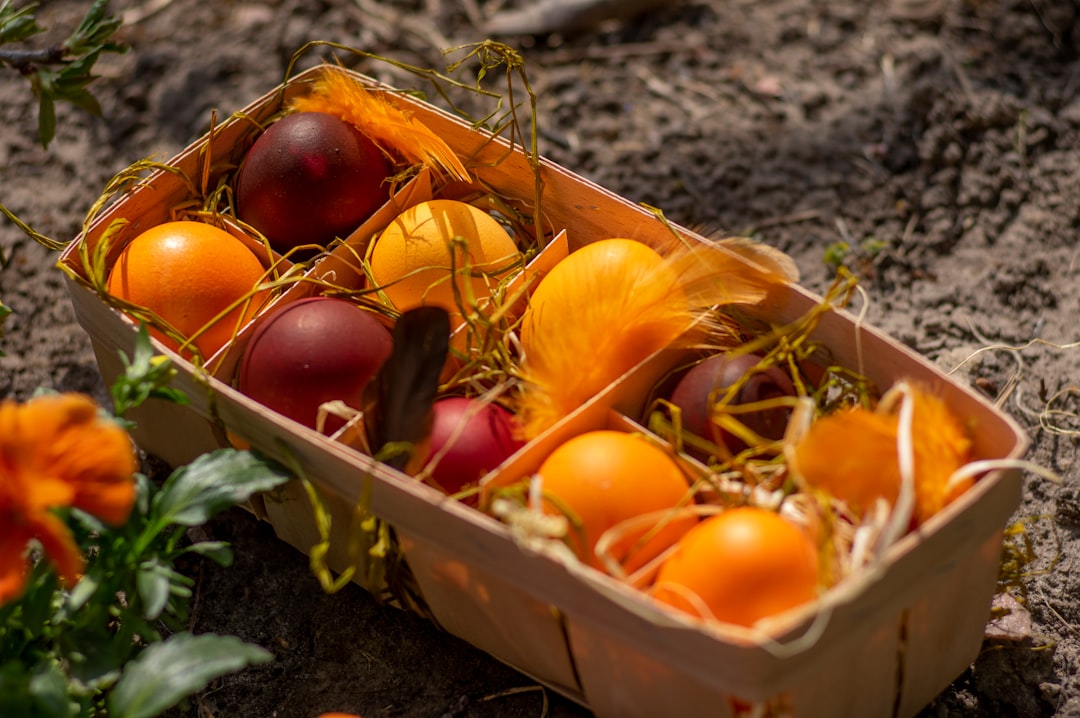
x=23, y=60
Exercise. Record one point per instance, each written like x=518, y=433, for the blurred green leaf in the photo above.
x=217, y=551
x=44, y=88
x=152, y=581
x=63, y=71
x=94, y=31
x=836, y=253
x=15, y=698
x=168, y=672
x=49, y=690
x=17, y=25
x=83, y=591
x=145, y=375
x=212, y=483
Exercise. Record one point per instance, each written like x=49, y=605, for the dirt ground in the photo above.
x=939, y=138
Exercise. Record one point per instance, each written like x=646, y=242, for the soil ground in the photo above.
x=940, y=139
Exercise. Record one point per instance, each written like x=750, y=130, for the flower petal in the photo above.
x=14, y=568
x=60, y=547
x=73, y=444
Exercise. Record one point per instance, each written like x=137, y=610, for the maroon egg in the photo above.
x=310, y=177
x=313, y=351
x=477, y=436
x=711, y=377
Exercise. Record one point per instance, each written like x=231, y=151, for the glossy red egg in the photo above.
x=710, y=378
x=477, y=436
x=313, y=351
x=310, y=177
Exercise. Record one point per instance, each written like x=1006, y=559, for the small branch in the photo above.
x=24, y=59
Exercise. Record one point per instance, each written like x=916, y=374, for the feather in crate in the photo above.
x=376, y=116
x=833, y=454
x=614, y=302
x=398, y=401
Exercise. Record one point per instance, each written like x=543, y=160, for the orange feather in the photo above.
x=599, y=313
x=376, y=116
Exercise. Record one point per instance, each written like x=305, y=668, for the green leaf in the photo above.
x=81, y=593
x=168, y=672
x=17, y=25
x=217, y=551
x=212, y=483
x=46, y=118
x=37, y=600
x=152, y=582
x=15, y=699
x=156, y=581
x=80, y=97
x=94, y=659
x=143, y=491
x=94, y=29
x=49, y=689
x=836, y=253
x=145, y=376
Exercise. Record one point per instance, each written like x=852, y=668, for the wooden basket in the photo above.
x=883, y=642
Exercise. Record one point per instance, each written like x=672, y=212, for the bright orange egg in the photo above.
x=742, y=565
x=601, y=478
x=188, y=273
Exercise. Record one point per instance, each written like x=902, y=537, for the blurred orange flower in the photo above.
x=57, y=451
x=854, y=454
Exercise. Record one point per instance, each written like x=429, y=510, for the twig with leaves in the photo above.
x=62, y=71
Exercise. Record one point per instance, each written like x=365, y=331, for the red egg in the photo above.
x=707, y=381
x=476, y=435
x=313, y=351
x=309, y=178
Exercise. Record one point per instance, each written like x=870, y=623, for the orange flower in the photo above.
x=854, y=454
x=57, y=451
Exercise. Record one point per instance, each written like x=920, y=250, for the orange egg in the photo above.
x=188, y=273
x=438, y=251
x=601, y=478
x=742, y=565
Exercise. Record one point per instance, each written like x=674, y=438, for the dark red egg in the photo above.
x=310, y=177
x=312, y=351
x=476, y=435
x=707, y=381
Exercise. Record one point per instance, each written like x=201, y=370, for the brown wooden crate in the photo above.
x=891, y=637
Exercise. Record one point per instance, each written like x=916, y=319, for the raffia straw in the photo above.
x=905, y=449
x=652, y=522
